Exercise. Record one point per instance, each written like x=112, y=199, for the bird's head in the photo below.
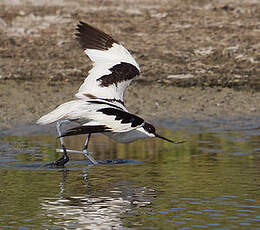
x=152, y=133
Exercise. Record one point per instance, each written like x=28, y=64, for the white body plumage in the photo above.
x=99, y=107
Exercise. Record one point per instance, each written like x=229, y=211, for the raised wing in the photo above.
x=113, y=66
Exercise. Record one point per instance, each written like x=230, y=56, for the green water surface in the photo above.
x=212, y=181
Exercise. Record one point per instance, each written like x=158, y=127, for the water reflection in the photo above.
x=211, y=181
x=93, y=211
x=85, y=211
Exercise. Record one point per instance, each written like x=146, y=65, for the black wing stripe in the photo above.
x=85, y=130
x=114, y=100
x=104, y=103
x=93, y=38
x=120, y=72
x=125, y=117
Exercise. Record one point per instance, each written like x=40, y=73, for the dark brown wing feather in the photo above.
x=123, y=116
x=92, y=38
x=120, y=72
x=85, y=130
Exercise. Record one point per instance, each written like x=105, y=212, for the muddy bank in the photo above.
x=199, y=59
x=24, y=102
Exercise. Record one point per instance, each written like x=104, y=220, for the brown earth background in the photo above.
x=199, y=58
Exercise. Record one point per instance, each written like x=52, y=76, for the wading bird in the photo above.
x=99, y=107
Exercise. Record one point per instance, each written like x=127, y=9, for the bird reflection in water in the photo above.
x=92, y=211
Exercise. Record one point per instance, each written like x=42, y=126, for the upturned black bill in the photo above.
x=164, y=138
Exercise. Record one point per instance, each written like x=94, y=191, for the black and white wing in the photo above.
x=107, y=119
x=113, y=66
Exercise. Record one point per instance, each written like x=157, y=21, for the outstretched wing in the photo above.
x=113, y=66
x=107, y=119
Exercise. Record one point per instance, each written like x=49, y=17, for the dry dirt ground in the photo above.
x=199, y=58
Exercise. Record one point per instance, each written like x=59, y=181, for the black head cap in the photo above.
x=149, y=128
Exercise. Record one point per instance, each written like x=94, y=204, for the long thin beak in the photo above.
x=164, y=138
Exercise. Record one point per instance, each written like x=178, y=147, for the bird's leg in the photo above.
x=86, y=153
x=65, y=158
x=58, y=125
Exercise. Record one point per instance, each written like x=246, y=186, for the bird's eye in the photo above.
x=149, y=128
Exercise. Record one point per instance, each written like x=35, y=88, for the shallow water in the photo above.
x=212, y=181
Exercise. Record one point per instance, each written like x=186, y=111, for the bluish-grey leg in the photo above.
x=86, y=153
x=58, y=125
x=65, y=158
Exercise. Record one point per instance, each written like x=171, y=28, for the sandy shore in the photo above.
x=199, y=59
x=25, y=102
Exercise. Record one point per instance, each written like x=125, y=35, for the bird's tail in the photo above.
x=63, y=111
